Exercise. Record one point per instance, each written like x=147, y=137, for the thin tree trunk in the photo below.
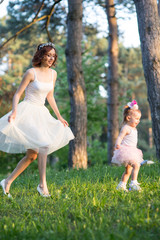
x=149, y=31
x=78, y=147
x=9, y=61
x=0, y=94
x=112, y=78
x=150, y=131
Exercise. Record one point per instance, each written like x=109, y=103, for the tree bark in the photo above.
x=149, y=31
x=112, y=79
x=78, y=120
x=159, y=7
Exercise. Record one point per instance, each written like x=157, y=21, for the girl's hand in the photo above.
x=65, y=123
x=12, y=117
x=117, y=146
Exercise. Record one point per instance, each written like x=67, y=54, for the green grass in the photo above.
x=84, y=205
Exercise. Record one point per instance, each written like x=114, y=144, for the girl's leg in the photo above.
x=127, y=173
x=42, y=162
x=21, y=166
x=135, y=171
x=125, y=177
x=134, y=184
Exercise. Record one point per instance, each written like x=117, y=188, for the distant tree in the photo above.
x=149, y=31
x=132, y=85
x=112, y=77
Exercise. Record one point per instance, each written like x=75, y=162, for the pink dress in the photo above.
x=128, y=153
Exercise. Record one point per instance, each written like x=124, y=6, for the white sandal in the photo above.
x=147, y=162
x=2, y=183
x=39, y=189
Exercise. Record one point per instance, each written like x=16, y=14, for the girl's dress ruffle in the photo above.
x=127, y=155
x=34, y=128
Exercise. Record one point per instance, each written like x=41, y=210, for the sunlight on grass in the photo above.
x=84, y=205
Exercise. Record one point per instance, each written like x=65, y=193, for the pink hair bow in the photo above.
x=133, y=105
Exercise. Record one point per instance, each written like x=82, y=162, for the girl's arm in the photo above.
x=27, y=78
x=53, y=104
x=124, y=131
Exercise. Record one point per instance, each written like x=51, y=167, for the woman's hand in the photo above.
x=65, y=123
x=12, y=117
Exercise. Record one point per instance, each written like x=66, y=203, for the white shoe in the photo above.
x=2, y=183
x=122, y=186
x=138, y=183
x=135, y=186
x=147, y=162
x=39, y=189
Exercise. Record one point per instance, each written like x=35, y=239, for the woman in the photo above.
x=29, y=127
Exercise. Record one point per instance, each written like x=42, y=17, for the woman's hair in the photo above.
x=42, y=50
x=128, y=112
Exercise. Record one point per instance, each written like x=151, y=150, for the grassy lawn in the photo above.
x=84, y=205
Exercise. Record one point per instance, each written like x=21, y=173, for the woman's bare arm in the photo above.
x=27, y=78
x=52, y=102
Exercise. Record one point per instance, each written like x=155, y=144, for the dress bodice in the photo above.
x=36, y=91
x=131, y=138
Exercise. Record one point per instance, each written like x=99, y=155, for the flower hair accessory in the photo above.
x=133, y=105
x=45, y=45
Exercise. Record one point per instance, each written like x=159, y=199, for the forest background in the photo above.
x=18, y=54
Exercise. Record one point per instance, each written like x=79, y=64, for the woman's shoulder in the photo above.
x=29, y=74
x=30, y=71
x=54, y=73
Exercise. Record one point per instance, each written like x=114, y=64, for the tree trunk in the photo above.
x=150, y=130
x=112, y=79
x=159, y=7
x=78, y=122
x=149, y=31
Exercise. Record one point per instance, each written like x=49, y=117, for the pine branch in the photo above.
x=49, y=18
x=41, y=7
x=35, y=19
x=22, y=30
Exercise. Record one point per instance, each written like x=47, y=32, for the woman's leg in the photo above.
x=21, y=166
x=127, y=173
x=42, y=162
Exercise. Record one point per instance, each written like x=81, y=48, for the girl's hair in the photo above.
x=128, y=112
x=42, y=50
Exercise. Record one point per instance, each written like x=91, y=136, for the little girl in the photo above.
x=126, y=152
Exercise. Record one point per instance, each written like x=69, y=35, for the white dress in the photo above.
x=34, y=127
x=128, y=153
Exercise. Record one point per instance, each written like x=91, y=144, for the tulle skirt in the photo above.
x=33, y=128
x=127, y=155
